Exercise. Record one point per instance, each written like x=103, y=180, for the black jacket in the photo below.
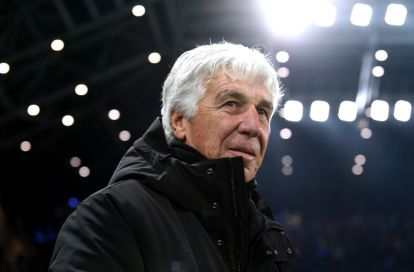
x=167, y=208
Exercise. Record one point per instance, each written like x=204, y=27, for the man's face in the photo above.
x=233, y=119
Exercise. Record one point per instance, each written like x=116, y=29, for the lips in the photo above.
x=246, y=153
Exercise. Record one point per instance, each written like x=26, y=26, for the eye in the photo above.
x=231, y=103
x=263, y=111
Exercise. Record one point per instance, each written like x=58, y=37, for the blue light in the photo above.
x=39, y=236
x=73, y=202
x=50, y=235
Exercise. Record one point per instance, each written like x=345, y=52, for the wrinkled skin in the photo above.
x=233, y=119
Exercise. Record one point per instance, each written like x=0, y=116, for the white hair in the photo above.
x=188, y=79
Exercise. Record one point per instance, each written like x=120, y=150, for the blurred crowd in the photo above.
x=363, y=241
x=17, y=250
x=373, y=241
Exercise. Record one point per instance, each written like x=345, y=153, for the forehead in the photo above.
x=224, y=80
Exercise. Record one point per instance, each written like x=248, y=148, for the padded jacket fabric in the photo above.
x=167, y=208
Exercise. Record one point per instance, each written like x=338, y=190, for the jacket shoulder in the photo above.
x=98, y=235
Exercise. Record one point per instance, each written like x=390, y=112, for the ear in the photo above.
x=178, y=123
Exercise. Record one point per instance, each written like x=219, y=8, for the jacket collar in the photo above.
x=186, y=153
x=178, y=171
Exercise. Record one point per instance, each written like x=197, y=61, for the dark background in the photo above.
x=338, y=221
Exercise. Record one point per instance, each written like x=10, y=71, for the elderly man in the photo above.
x=183, y=197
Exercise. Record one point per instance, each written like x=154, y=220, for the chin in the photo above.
x=248, y=175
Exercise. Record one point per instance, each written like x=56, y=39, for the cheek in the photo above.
x=205, y=138
x=265, y=139
x=217, y=139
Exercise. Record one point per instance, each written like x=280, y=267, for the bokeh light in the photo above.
x=360, y=159
x=381, y=55
x=293, y=111
x=366, y=133
x=75, y=162
x=33, y=110
x=285, y=133
x=283, y=72
x=154, y=57
x=114, y=114
x=4, y=68
x=357, y=170
x=73, y=202
x=84, y=171
x=81, y=89
x=57, y=45
x=68, y=120
x=287, y=170
x=25, y=146
x=378, y=71
x=124, y=135
x=286, y=160
x=282, y=56
x=138, y=10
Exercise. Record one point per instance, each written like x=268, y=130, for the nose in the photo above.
x=250, y=123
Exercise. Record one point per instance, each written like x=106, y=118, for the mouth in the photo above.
x=245, y=153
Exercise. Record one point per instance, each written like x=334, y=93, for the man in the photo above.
x=183, y=197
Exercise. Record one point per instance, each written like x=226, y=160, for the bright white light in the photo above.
x=124, y=135
x=33, y=110
x=154, y=57
x=287, y=160
x=348, y=111
x=81, y=89
x=282, y=56
x=379, y=110
x=287, y=17
x=293, y=111
x=381, y=55
x=319, y=111
x=114, y=114
x=68, y=120
x=357, y=170
x=4, y=68
x=285, y=133
x=378, y=71
x=138, y=10
x=366, y=133
x=75, y=162
x=287, y=170
x=283, y=72
x=361, y=14
x=360, y=159
x=402, y=110
x=84, y=171
x=395, y=14
x=57, y=45
x=25, y=146
x=325, y=15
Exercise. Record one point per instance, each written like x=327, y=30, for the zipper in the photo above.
x=235, y=202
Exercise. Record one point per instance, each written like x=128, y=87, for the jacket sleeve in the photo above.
x=97, y=237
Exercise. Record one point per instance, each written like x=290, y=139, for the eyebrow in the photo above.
x=232, y=94
x=243, y=98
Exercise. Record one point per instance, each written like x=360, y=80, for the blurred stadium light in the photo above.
x=379, y=110
x=293, y=111
x=319, y=111
x=402, y=110
x=395, y=14
x=361, y=15
x=348, y=111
